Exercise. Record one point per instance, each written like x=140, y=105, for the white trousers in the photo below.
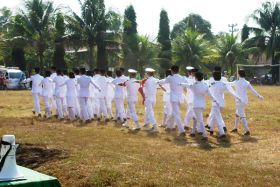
x=47, y=102
x=240, y=115
x=102, y=108
x=90, y=106
x=168, y=117
x=59, y=104
x=71, y=112
x=190, y=115
x=36, y=98
x=119, y=104
x=77, y=108
x=199, y=118
x=53, y=104
x=177, y=115
x=149, y=112
x=109, y=106
x=84, y=108
x=132, y=110
x=216, y=117
x=96, y=106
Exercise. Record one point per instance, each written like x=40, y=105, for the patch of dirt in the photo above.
x=33, y=156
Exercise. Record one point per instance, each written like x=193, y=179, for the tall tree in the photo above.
x=91, y=26
x=194, y=22
x=267, y=33
x=130, y=36
x=37, y=20
x=164, y=40
x=245, y=32
x=59, y=51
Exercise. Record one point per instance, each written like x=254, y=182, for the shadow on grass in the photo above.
x=33, y=156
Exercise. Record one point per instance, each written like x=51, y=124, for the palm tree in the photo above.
x=91, y=25
x=267, y=35
x=37, y=21
x=191, y=49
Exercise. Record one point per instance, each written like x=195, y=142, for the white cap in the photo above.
x=132, y=71
x=189, y=67
x=150, y=70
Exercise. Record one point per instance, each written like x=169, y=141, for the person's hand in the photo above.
x=143, y=101
x=261, y=97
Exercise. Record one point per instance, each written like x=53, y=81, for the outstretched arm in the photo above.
x=142, y=94
x=212, y=97
x=232, y=92
x=255, y=92
x=95, y=85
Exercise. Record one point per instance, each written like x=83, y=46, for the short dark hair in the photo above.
x=37, y=70
x=175, y=68
x=76, y=71
x=65, y=72
x=217, y=75
x=218, y=68
x=89, y=73
x=122, y=69
x=168, y=72
x=53, y=68
x=58, y=72
x=118, y=73
x=48, y=73
x=102, y=71
x=199, y=76
x=241, y=73
x=96, y=70
x=83, y=71
x=109, y=73
x=194, y=70
x=71, y=75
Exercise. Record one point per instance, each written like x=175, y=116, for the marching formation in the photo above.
x=88, y=95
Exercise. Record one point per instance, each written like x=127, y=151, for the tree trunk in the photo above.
x=101, y=56
x=18, y=58
x=90, y=57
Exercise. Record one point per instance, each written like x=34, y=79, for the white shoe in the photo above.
x=125, y=125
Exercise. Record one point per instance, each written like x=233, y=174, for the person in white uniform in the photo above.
x=110, y=94
x=103, y=84
x=119, y=97
x=77, y=104
x=36, y=90
x=176, y=96
x=59, y=93
x=64, y=89
x=200, y=90
x=47, y=93
x=95, y=94
x=84, y=82
x=168, y=120
x=189, y=116
x=53, y=102
x=217, y=89
x=71, y=95
x=132, y=87
x=241, y=86
x=149, y=94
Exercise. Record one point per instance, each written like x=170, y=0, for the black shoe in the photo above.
x=204, y=138
x=168, y=129
x=107, y=120
x=247, y=133
x=211, y=133
x=118, y=119
x=112, y=118
x=207, y=126
x=95, y=115
x=88, y=121
x=222, y=136
x=182, y=134
x=200, y=133
x=225, y=129
x=192, y=135
x=186, y=128
x=234, y=130
x=33, y=112
x=98, y=119
x=39, y=115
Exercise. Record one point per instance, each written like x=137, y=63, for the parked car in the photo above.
x=13, y=78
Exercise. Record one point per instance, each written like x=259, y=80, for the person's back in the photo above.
x=84, y=82
x=47, y=84
x=132, y=89
x=150, y=88
x=217, y=89
x=36, y=83
x=241, y=86
x=102, y=82
x=59, y=81
x=199, y=90
x=71, y=86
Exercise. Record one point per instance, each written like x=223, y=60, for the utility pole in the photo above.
x=232, y=28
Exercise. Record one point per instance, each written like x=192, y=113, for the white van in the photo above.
x=14, y=78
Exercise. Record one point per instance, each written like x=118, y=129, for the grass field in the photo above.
x=106, y=155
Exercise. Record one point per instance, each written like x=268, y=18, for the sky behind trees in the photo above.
x=220, y=13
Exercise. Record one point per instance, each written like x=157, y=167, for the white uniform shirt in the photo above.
x=84, y=83
x=71, y=88
x=111, y=88
x=199, y=89
x=119, y=90
x=150, y=89
x=166, y=94
x=217, y=89
x=176, y=91
x=241, y=87
x=36, y=83
x=47, y=84
x=53, y=75
x=132, y=88
x=58, y=91
x=189, y=95
x=103, y=84
x=94, y=92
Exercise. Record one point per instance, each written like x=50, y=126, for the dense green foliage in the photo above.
x=41, y=35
